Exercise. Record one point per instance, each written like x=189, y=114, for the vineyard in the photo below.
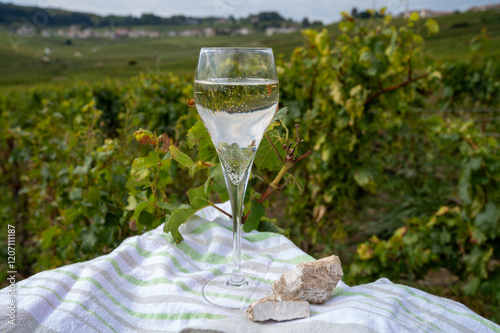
x=402, y=179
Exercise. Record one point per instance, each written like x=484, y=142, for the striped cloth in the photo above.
x=151, y=284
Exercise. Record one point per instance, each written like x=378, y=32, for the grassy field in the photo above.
x=95, y=59
x=91, y=59
x=457, y=30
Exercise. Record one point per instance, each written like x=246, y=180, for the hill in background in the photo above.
x=38, y=18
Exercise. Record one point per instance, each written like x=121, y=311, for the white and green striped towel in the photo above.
x=150, y=284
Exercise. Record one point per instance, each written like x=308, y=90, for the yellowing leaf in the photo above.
x=435, y=75
x=145, y=137
x=417, y=39
x=364, y=251
x=132, y=203
x=442, y=210
x=432, y=27
x=432, y=222
x=336, y=93
x=88, y=106
x=356, y=90
x=364, y=178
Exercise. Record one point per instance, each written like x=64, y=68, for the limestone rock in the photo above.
x=312, y=282
x=278, y=307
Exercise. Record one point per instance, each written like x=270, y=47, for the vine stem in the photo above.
x=275, y=184
x=394, y=87
x=284, y=169
x=157, y=175
x=274, y=147
x=221, y=210
x=309, y=152
x=469, y=141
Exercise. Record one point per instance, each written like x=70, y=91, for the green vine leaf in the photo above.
x=169, y=206
x=199, y=165
x=144, y=217
x=365, y=179
x=176, y=219
x=89, y=238
x=196, y=134
x=291, y=178
x=488, y=220
x=166, y=177
x=184, y=160
x=266, y=157
x=271, y=225
x=206, y=151
x=139, y=170
x=216, y=178
x=256, y=213
x=280, y=114
x=198, y=197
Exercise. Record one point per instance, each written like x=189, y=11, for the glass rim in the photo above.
x=229, y=48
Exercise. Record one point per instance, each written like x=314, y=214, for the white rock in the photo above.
x=278, y=307
x=312, y=282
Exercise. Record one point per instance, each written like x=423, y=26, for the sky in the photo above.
x=324, y=10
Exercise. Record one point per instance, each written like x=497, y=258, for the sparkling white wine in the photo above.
x=236, y=112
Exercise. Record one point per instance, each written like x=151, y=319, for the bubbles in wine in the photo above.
x=236, y=112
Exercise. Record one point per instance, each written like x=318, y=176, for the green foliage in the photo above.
x=353, y=92
x=257, y=212
x=66, y=164
x=266, y=158
x=463, y=238
x=361, y=95
x=151, y=176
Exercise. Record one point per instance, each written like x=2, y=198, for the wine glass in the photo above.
x=236, y=95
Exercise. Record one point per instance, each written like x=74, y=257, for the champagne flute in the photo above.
x=236, y=95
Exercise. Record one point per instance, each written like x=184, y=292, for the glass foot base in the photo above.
x=220, y=293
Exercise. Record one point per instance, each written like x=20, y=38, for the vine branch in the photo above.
x=288, y=162
x=394, y=87
x=274, y=147
x=469, y=141
x=307, y=153
x=221, y=210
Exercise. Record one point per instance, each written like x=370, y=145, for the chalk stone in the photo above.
x=279, y=308
x=312, y=282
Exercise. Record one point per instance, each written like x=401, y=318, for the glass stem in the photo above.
x=237, y=196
